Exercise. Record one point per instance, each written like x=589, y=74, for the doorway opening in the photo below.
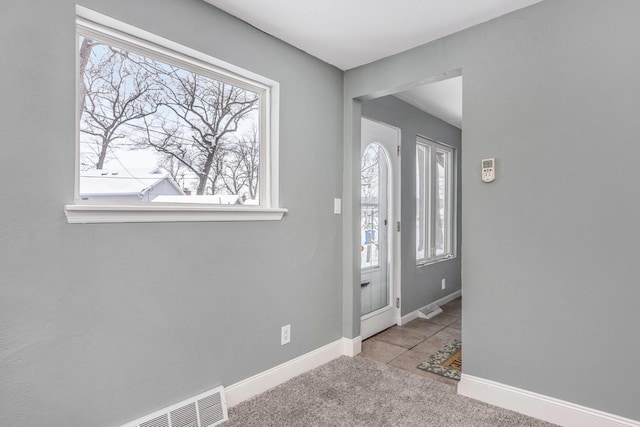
x=430, y=311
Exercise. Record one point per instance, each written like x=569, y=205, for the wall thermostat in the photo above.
x=488, y=170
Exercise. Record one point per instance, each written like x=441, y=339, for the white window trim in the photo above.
x=433, y=144
x=93, y=212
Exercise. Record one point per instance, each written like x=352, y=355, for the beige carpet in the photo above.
x=360, y=392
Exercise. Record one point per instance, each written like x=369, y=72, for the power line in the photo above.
x=145, y=128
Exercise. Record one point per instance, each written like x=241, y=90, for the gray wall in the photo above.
x=550, y=271
x=100, y=324
x=420, y=285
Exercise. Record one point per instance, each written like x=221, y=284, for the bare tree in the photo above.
x=86, y=46
x=117, y=95
x=206, y=113
x=242, y=165
x=132, y=102
x=369, y=174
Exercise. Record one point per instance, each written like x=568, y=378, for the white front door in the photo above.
x=379, y=228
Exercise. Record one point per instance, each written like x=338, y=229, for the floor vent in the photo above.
x=430, y=311
x=204, y=410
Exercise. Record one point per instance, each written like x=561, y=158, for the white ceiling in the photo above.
x=350, y=33
x=442, y=99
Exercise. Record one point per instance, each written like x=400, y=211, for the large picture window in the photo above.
x=160, y=128
x=434, y=201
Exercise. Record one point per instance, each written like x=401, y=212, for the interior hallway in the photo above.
x=405, y=347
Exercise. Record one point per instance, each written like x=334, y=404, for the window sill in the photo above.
x=96, y=214
x=425, y=263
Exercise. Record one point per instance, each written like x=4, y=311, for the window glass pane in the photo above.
x=374, y=247
x=154, y=131
x=422, y=195
x=370, y=206
x=441, y=210
x=434, y=204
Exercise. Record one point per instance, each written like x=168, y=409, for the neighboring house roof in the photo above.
x=121, y=182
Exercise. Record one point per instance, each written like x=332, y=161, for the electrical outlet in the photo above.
x=444, y=283
x=285, y=335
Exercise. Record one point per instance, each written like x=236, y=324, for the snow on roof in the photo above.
x=121, y=181
x=215, y=199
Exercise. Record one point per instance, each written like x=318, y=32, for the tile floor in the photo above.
x=405, y=347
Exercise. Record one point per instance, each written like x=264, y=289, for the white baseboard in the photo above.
x=270, y=378
x=538, y=406
x=408, y=317
x=351, y=347
x=442, y=301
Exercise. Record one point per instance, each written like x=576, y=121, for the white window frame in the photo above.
x=428, y=198
x=108, y=29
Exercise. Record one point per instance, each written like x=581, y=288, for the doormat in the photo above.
x=447, y=361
